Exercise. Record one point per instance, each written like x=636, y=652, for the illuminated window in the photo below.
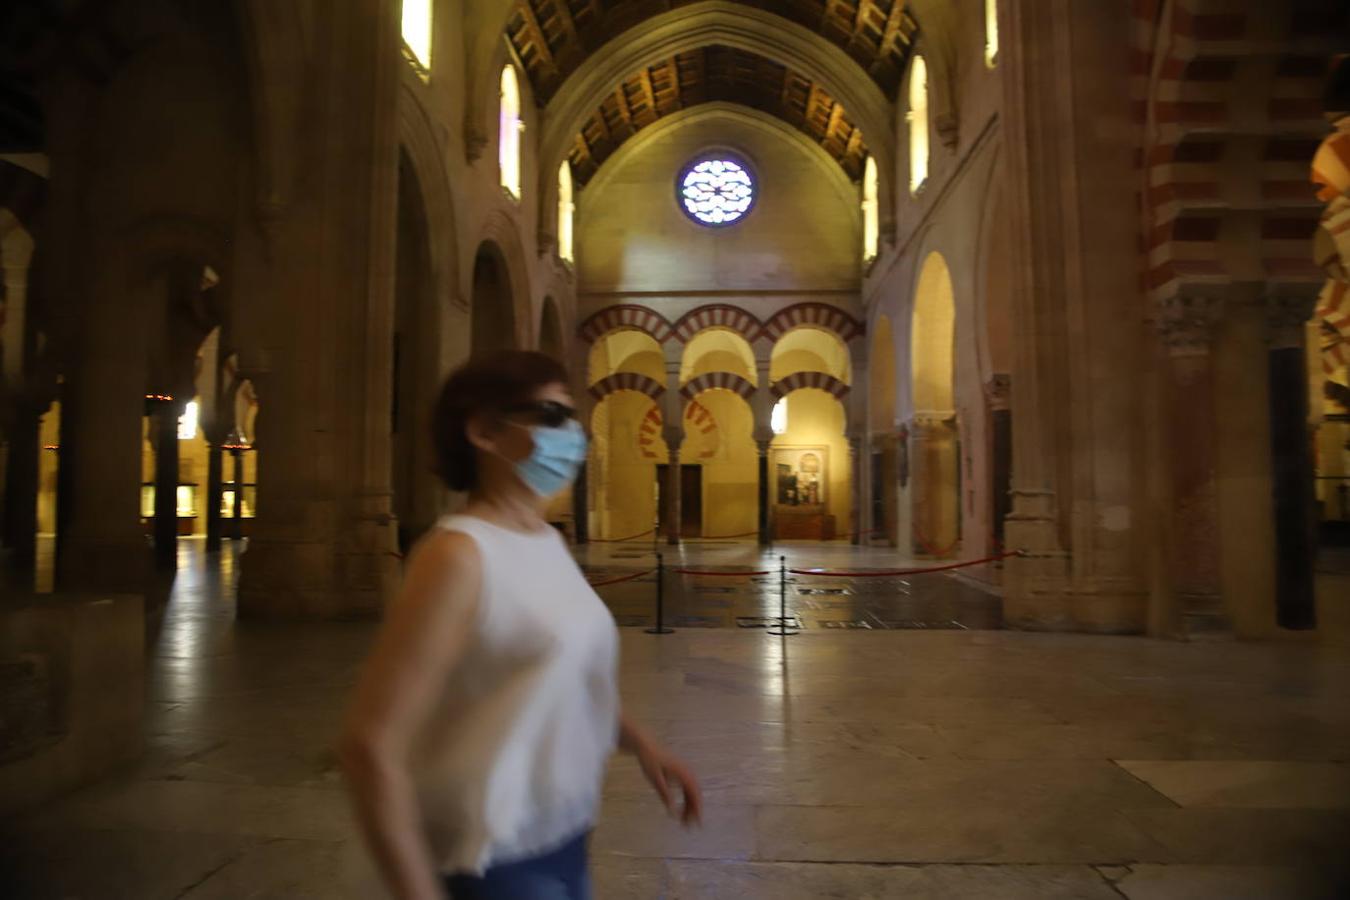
x=566, y=208
x=508, y=138
x=716, y=191
x=870, y=211
x=778, y=417
x=990, y=32
x=187, y=422
x=918, y=124
x=417, y=32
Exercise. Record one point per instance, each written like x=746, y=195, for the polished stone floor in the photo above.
x=865, y=599
x=838, y=763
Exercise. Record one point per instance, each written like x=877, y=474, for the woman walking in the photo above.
x=482, y=724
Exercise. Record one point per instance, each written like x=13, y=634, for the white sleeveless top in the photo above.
x=513, y=763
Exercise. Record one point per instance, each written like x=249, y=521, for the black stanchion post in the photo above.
x=782, y=628
x=660, y=598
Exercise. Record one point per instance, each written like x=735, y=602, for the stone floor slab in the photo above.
x=1149, y=882
x=1254, y=784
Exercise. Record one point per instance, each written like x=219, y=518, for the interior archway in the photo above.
x=493, y=311
x=416, y=349
x=933, y=435
x=884, y=447
x=718, y=350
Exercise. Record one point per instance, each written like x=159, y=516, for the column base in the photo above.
x=282, y=580
x=93, y=565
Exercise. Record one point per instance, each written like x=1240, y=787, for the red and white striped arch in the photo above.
x=718, y=315
x=626, y=317
x=627, y=381
x=817, y=380
x=814, y=315
x=713, y=381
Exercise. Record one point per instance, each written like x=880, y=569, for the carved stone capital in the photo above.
x=998, y=391
x=925, y=422
x=1186, y=324
x=1288, y=315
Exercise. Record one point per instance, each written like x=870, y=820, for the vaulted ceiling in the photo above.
x=716, y=74
x=553, y=38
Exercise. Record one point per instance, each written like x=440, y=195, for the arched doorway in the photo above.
x=718, y=478
x=416, y=494
x=493, y=307
x=626, y=370
x=550, y=331
x=934, y=442
x=811, y=465
x=886, y=474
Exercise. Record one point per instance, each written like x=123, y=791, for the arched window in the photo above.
x=565, y=211
x=508, y=139
x=870, y=210
x=918, y=124
x=990, y=32
x=417, y=32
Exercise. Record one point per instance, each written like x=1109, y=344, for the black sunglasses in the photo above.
x=549, y=413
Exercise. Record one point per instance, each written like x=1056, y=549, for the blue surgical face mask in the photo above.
x=558, y=455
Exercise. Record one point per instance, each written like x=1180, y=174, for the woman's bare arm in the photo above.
x=422, y=638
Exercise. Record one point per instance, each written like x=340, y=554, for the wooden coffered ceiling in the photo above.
x=554, y=37
x=716, y=74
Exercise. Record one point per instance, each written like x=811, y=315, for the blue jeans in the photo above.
x=560, y=875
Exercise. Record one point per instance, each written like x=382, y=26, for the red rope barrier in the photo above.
x=891, y=573
x=728, y=537
x=635, y=577
x=622, y=540
x=721, y=574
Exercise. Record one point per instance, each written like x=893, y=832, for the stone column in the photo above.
x=935, y=501
x=237, y=506
x=997, y=393
x=673, y=510
x=765, y=525
x=164, y=436
x=855, y=489
x=215, y=477
x=1291, y=453
x=21, y=493
x=324, y=540
x=1187, y=326
x=101, y=543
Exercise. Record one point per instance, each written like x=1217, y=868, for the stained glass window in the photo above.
x=566, y=208
x=716, y=191
x=990, y=33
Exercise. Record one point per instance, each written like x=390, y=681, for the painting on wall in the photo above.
x=802, y=475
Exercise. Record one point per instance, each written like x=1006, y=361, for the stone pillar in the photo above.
x=935, y=499
x=765, y=524
x=21, y=493
x=673, y=507
x=164, y=436
x=856, y=496
x=1071, y=214
x=215, y=477
x=323, y=543
x=101, y=543
x=237, y=507
x=1291, y=453
x=997, y=393
x=1187, y=325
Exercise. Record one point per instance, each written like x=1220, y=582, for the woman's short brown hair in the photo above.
x=489, y=384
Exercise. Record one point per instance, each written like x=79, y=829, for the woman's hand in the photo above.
x=666, y=774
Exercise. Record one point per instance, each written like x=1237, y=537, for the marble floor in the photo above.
x=838, y=763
